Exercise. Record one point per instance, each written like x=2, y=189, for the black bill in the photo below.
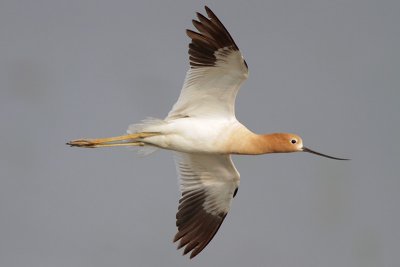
x=320, y=154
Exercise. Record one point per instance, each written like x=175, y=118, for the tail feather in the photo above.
x=146, y=125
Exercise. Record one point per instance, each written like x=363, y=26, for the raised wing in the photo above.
x=208, y=184
x=217, y=69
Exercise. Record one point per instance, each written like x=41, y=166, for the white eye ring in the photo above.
x=293, y=141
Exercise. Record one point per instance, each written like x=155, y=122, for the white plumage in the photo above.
x=211, y=91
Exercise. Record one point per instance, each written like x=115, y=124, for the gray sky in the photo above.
x=327, y=70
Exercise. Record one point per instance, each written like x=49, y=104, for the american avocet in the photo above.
x=203, y=131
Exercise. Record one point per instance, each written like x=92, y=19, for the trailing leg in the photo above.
x=134, y=139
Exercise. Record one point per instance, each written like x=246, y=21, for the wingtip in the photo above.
x=208, y=10
x=181, y=245
x=175, y=238
x=198, y=14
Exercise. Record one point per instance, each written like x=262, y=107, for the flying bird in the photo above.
x=203, y=132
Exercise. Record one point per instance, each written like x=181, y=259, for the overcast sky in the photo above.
x=326, y=70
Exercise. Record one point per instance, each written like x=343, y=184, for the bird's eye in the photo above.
x=294, y=141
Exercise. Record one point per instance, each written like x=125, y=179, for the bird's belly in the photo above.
x=191, y=144
x=194, y=136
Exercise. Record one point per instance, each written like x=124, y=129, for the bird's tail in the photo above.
x=147, y=125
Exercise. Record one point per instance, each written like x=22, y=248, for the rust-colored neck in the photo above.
x=249, y=143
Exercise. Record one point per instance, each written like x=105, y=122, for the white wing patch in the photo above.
x=211, y=91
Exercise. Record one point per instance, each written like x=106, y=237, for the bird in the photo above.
x=203, y=132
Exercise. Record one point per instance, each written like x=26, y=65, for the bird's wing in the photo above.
x=208, y=184
x=217, y=69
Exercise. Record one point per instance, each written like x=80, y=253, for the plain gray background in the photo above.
x=327, y=70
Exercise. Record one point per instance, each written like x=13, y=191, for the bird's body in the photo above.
x=203, y=131
x=201, y=135
x=193, y=135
